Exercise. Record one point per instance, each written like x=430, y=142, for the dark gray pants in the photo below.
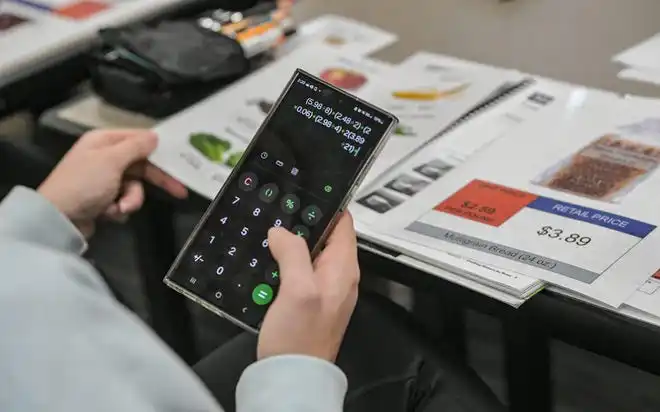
x=388, y=364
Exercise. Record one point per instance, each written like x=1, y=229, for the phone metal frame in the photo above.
x=233, y=175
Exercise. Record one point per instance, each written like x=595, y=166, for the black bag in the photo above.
x=162, y=69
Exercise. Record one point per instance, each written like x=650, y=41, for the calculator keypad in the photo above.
x=303, y=161
x=230, y=260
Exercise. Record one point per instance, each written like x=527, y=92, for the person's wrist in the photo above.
x=49, y=193
x=54, y=196
x=38, y=221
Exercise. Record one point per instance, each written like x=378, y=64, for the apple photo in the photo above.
x=346, y=79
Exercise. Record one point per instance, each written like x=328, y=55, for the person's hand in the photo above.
x=315, y=301
x=100, y=177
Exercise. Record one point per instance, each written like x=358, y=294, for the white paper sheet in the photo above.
x=346, y=35
x=395, y=188
x=234, y=114
x=641, y=75
x=93, y=113
x=413, y=176
x=473, y=285
x=643, y=55
x=535, y=203
x=438, y=63
x=647, y=296
x=497, y=282
x=427, y=101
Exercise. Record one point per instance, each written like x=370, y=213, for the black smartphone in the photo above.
x=299, y=172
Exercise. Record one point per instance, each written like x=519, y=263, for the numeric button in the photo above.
x=231, y=251
x=282, y=220
x=248, y=182
x=253, y=262
x=219, y=270
x=290, y=204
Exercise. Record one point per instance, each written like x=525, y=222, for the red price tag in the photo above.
x=486, y=202
x=82, y=9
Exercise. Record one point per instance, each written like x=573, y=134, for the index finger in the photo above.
x=108, y=137
x=157, y=177
x=343, y=236
x=133, y=149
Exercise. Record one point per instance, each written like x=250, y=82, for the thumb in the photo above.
x=134, y=148
x=291, y=254
x=132, y=197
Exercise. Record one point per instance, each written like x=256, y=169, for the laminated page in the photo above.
x=456, y=269
x=647, y=296
x=201, y=145
x=644, y=55
x=429, y=101
x=562, y=199
x=431, y=162
x=344, y=34
x=640, y=75
x=441, y=64
x=413, y=177
x=496, y=290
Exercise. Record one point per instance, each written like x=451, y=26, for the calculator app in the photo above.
x=296, y=174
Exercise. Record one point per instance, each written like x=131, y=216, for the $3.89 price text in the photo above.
x=546, y=231
x=555, y=233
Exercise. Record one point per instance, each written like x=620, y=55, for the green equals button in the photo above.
x=262, y=294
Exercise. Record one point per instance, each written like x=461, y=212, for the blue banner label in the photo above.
x=595, y=217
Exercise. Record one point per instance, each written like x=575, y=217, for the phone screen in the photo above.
x=296, y=174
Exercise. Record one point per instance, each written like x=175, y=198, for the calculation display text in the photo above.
x=323, y=134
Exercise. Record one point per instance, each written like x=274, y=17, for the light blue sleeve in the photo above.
x=67, y=345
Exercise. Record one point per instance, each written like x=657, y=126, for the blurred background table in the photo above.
x=42, y=56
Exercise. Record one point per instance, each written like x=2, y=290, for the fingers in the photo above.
x=154, y=175
x=131, y=200
x=343, y=237
x=341, y=249
x=132, y=149
x=112, y=211
x=132, y=197
x=292, y=256
x=103, y=137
